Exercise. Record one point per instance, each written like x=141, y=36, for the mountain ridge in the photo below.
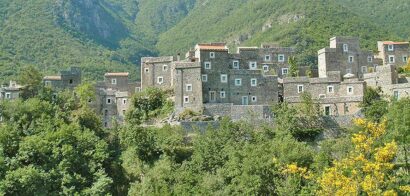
x=112, y=35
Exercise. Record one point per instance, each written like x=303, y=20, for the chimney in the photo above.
x=179, y=57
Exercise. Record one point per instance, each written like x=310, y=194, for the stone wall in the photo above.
x=344, y=99
x=153, y=68
x=239, y=112
x=336, y=58
x=188, y=87
x=400, y=50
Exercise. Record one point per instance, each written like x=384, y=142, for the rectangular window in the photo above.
x=204, y=78
x=160, y=80
x=254, y=99
x=330, y=89
x=390, y=47
x=212, y=96
x=124, y=101
x=254, y=82
x=345, y=48
x=405, y=58
x=281, y=58
x=207, y=65
x=267, y=57
x=212, y=55
x=369, y=59
x=109, y=101
x=8, y=95
x=186, y=99
x=238, y=82
x=113, y=81
x=189, y=87
x=265, y=68
x=222, y=94
x=253, y=65
x=364, y=69
x=224, y=78
x=285, y=71
x=328, y=111
x=351, y=59
x=235, y=64
x=165, y=67
x=300, y=89
x=396, y=95
x=350, y=90
x=391, y=59
x=105, y=112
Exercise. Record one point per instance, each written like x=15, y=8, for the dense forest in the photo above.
x=112, y=35
x=56, y=145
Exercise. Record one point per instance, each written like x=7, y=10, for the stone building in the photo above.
x=188, y=86
x=211, y=77
x=393, y=53
x=68, y=79
x=345, y=55
x=156, y=71
x=113, y=96
x=335, y=95
x=390, y=82
x=10, y=91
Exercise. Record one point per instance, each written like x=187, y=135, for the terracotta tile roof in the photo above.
x=117, y=74
x=395, y=43
x=212, y=46
x=52, y=78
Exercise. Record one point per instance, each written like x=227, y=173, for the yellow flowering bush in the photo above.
x=295, y=170
x=367, y=169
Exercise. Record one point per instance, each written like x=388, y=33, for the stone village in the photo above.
x=214, y=81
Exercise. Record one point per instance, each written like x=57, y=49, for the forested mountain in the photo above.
x=108, y=35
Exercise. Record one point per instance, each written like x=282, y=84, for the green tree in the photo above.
x=31, y=79
x=293, y=68
x=398, y=124
x=143, y=103
x=373, y=105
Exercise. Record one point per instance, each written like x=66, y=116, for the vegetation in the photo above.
x=112, y=35
x=57, y=145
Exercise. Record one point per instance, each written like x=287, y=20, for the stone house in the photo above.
x=211, y=76
x=335, y=95
x=10, y=91
x=68, y=79
x=113, y=97
x=393, y=53
x=345, y=55
x=156, y=71
x=390, y=82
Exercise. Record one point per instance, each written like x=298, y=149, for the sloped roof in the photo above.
x=52, y=78
x=212, y=46
x=395, y=43
x=117, y=74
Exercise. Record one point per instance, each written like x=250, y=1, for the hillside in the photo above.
x=112, y=35
x=305, y=24
x=389, y=14
x=97, y=35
